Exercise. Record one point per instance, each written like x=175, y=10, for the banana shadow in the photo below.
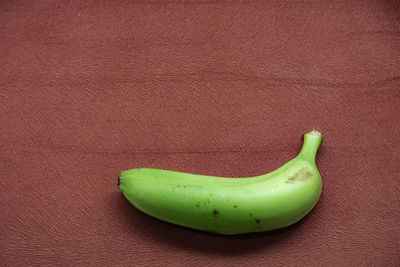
x=194, y=240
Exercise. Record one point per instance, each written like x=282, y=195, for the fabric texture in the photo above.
x=225, y=88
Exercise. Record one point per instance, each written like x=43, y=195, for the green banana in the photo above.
x=229, y=205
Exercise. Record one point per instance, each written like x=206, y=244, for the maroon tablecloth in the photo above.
x=227, y=88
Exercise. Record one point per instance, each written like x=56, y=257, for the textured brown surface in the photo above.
x=210, y=87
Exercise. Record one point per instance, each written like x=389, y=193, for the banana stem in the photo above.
x=312, y=141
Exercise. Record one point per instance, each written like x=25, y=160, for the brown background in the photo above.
x=225, y=88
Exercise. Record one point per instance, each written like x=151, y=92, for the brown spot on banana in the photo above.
x=215, y=213
x=300, y=176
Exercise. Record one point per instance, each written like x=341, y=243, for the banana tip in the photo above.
x=315, y=133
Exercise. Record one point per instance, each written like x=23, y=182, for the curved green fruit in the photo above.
x=229, y=205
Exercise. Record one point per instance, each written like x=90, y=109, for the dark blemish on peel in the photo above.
x=250, y=214
x=198, y=205
x=234, y=206
x=257, y=220
x=178, y=185
x=302, y=175
x=184, y=186
x=215, y=213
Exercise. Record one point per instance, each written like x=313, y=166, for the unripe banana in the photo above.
x=229, y=205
